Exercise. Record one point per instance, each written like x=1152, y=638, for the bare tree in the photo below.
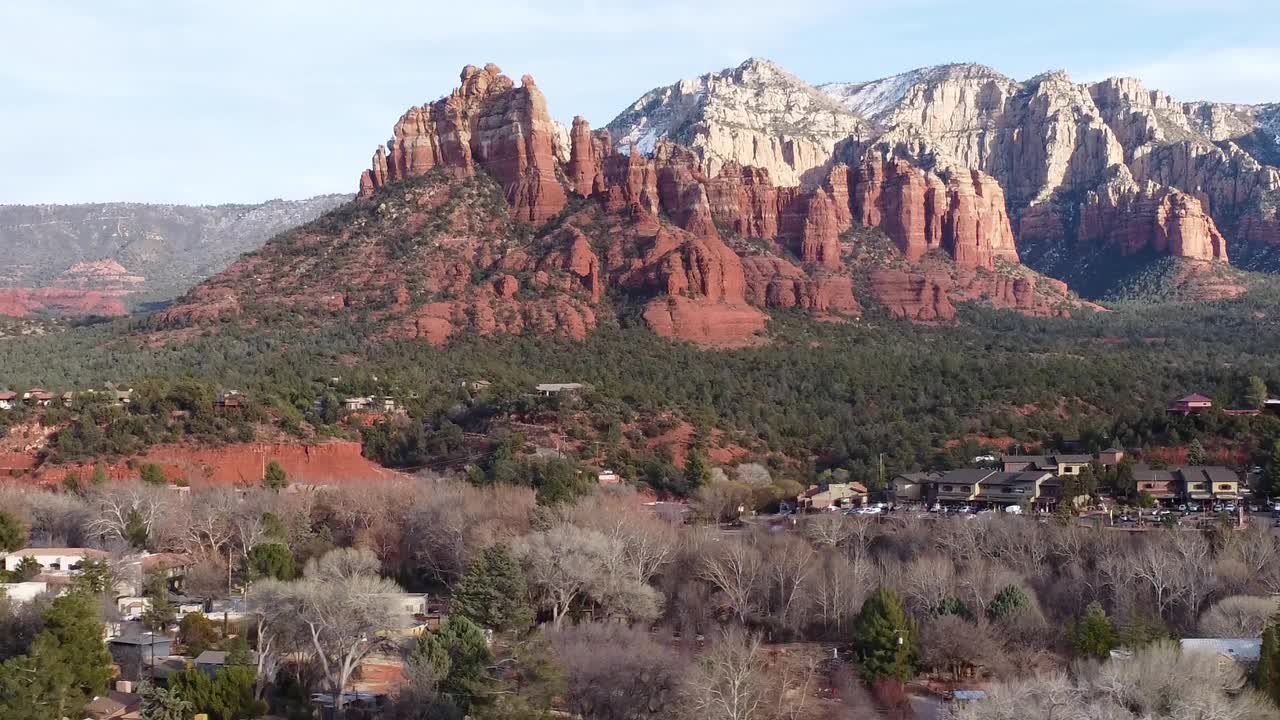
x=733, y=567
x=613, y=672
x=116, y=504
x=727, y=683
x=1238, y=616
x=562, y=564
x=961, y=647
x=345, y=614
x=839, y=586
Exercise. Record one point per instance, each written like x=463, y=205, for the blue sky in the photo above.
x=208, y=101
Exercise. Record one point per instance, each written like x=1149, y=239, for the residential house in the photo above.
x=115, y=705
x=608, y=477
x=356, y=404
x=23, y=592
x=1012, y=488
x=230, y=400
x=1159, y=484
x=1243, y=652
x=1057, y=464
x=133, y=653
x=53, y=560
x=1271, y=405
x=909, y=487
x=476, y=386
x=38, y=397
x=957, y=486
x=552, y=389
x=8, y=399
x=845, y=494
x=1110, y=457
x=211, y=661
x=1190, y=405
x=386, y=403
x=1209, y=483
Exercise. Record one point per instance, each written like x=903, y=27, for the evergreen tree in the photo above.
x=99, y=475
x=67, y=665
x=1255, y=394
x=197, y=633
x=227, y=695
x=1009, y=600
x=275, y=477
x=884, y=638
x=160, y=703
x=1195, y=453
x=28, y=568
x=160, y=613
x=493, y=593
x=458, y=655
x=153, y=474
x=135, y=530
x=1271, y=476
x=695, y=470
x=12, y=535
x=270, y=560
x=1095, y=635
x=1267, y=675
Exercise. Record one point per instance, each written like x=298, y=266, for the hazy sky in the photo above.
x=207, y=101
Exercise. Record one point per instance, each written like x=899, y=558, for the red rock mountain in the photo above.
x=467, y=222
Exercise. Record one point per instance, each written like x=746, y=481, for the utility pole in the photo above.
x=880, y=464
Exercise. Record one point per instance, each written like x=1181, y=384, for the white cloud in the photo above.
x=1237, y=75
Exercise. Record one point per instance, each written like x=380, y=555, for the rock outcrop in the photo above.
x=487, y=123
x=756, y=114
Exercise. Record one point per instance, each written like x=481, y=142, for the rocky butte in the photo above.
x=476, y=219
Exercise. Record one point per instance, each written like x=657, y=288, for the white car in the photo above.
x=1014, y=509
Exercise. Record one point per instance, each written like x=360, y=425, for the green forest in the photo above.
x=818, y=396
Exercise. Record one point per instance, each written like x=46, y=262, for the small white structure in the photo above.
x=23, y=592
x=53, y=560
x=410, y=603
x=8, y=399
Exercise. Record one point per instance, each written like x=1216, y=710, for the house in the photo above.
x=1057, y=464
x=1271, y=405
x=1110, y=457
x=38, y=397
x=410, y=603
x=957, y=486
x=68, y=398
x=1159, y=484
x=1209, y=483
x=8, y=399
x=909, y=487
x=608, y=477
x=845, y=494
x=135, y=652
x=1240, y=651
x=385, y=403
x=211, y=661
x=1016, y=488
x=23, y=592
x=230, y=400
x=115, y=705
x=56, y=560
x=1190, y=405
x=355, y=404
x=476, y=386
x=551, y=389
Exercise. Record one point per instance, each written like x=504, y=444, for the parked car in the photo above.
x=1014, y=509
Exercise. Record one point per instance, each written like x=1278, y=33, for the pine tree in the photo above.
x=1095, y=635
x=12, y=535
x=163, y=704
x=271, y=560
x=1009, y=600
x=695, y=470
x=1271, y=478
x=1267, y=675
x=884, y=638
x=274, y=477
x=153, y=474
x=458, y=655
x=1255, y=394
x=1195, y=453
x=493, y=592
x=99, y=475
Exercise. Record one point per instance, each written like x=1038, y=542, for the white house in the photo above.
x=8, y=399
x=23, y=592
x=55, y=560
